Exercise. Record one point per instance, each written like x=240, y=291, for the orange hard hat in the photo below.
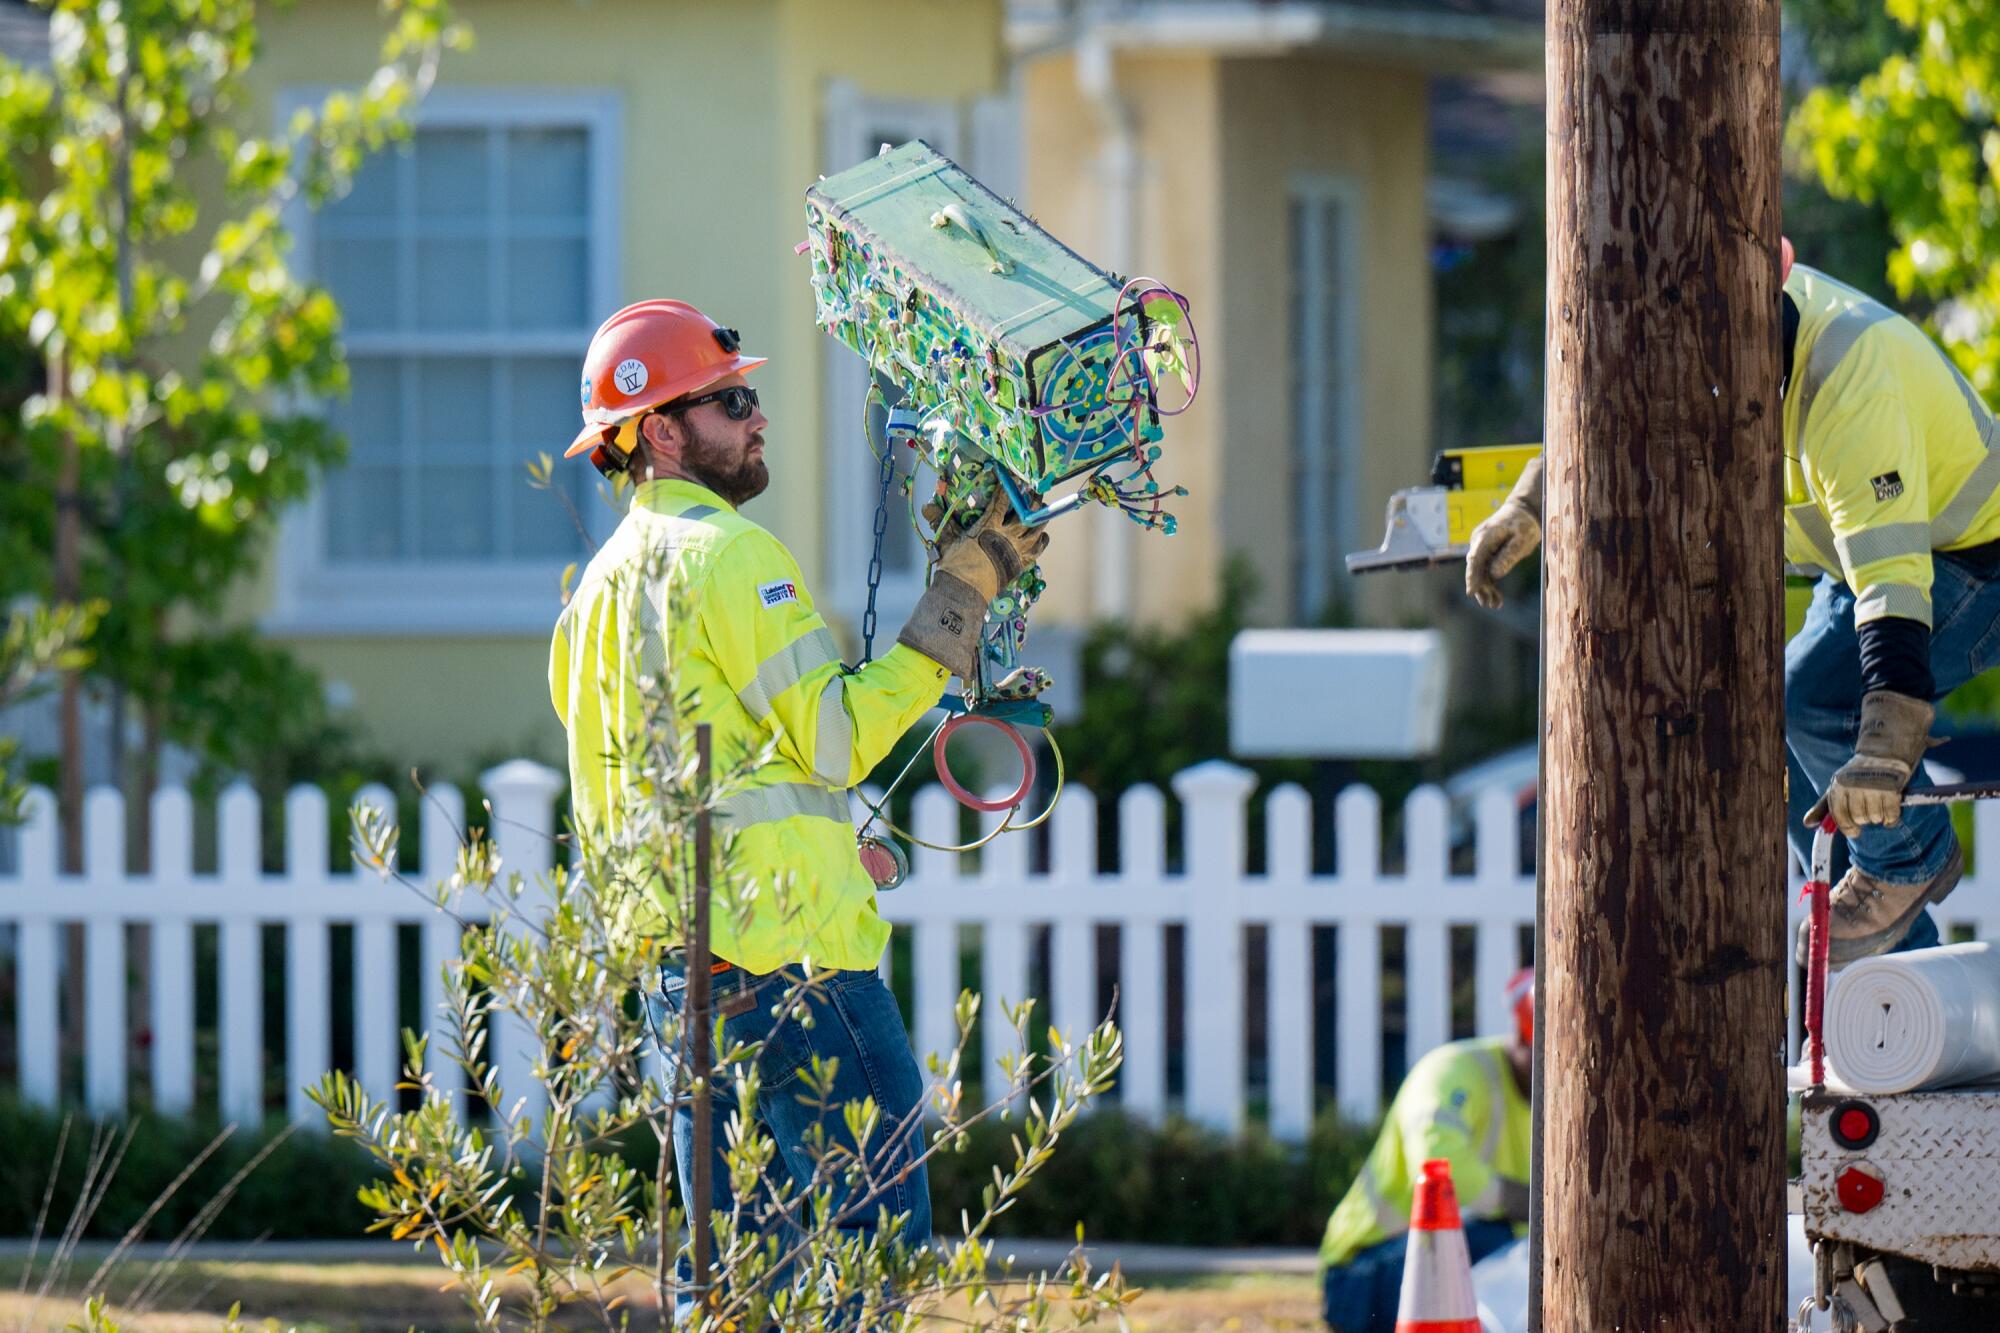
x=1521, y=1000
x=1785, y=257
x=648, y=354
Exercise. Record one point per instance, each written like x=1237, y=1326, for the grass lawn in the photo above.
x=394, y=1297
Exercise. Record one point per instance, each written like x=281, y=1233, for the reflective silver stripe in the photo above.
x=1390, y=1221
x=1892, y=599
x=833, y=745
x=1885, y=542
x=1973, y=493
x=652, y=629
x=1835, y=341
x=1813, y=523
x=1982, y=415
x=786, y=668
x=784, y=800
x=1979, y=485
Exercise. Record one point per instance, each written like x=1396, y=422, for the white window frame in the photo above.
x=852, y=482
x=1326, y=525
x=486, y=596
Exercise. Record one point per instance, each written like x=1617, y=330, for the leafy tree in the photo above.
x=33, y=643
x=173, y=354
x=1917, y=136
x=1840, y=41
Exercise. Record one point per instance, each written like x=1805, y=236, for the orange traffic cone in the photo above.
x=1437, y=1273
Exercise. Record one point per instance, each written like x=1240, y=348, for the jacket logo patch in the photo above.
x=1887, y=486
x=777, y=594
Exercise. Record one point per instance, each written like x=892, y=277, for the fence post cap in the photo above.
x=525, y=776
x=1214, y=777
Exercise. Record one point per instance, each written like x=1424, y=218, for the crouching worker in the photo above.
x=1466, y=1102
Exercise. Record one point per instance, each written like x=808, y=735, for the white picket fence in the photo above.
x=1212, y=896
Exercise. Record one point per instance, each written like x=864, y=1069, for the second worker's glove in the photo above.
x=1868, y=789
x=1505, y=537
x=974, y=564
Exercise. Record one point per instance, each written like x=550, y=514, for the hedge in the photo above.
x=1175, y=1183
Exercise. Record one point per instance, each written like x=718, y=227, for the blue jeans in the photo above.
x=1361, y=1295
x=1823, y=716
x=855, y=1021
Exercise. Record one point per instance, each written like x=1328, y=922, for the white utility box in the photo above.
x=1336, y=693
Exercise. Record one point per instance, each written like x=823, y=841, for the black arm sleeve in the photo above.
x=1896, y=655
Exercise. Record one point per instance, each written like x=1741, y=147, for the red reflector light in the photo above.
x=1854, y=1124
x=1859, y=1188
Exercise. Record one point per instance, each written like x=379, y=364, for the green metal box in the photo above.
x=994, y=330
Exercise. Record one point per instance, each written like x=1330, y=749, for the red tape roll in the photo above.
x=952, y=785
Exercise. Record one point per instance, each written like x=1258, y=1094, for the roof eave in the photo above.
x=1435, y=42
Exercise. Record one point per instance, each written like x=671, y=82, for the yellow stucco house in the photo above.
x=1266, y=158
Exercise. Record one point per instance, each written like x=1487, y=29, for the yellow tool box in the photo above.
x=1431, y=525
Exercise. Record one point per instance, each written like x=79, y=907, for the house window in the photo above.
x=471, y=267
x=1325, y=480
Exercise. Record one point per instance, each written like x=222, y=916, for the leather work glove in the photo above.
x=974, y=564
x=1868, y=789
x=1505, y=537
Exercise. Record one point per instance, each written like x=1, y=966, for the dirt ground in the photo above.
x=392, y=1298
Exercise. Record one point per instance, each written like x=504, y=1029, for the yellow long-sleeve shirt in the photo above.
x=1889, y=453
x=687, y=581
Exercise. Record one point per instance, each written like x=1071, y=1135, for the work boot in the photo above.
x=1870, y=915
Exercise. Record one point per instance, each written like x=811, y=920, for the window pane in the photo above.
x=371, y=414
x=362, y=277
x=452, y=282
x=374, y=194
x=455, y=408
x=548, y=174
x=541, y=418
x=547, y=282
x=544, y=528
x=542, y=411
x=364, y=514
x=456, y=512
x=451, y=174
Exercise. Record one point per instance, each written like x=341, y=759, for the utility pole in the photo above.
x=1661, y=1096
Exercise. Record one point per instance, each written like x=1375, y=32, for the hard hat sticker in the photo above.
x=586, y=390
x=631, y=375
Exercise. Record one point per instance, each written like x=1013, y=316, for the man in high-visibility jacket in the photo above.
x=1466, y=1102
x=1892, y=496
x=687, y=582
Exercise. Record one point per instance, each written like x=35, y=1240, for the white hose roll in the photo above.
x=1928, y=1018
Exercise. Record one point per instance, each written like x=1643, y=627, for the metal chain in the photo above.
x=875, y=556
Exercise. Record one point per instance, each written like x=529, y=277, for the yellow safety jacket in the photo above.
x=1460, y=1103
x=687, y=581
x=1889, y=454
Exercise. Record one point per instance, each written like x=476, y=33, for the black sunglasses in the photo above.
x=738, y=402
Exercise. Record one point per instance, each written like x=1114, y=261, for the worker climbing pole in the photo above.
x=1662, y=1148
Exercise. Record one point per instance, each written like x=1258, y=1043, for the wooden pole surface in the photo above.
x=1661, y=984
